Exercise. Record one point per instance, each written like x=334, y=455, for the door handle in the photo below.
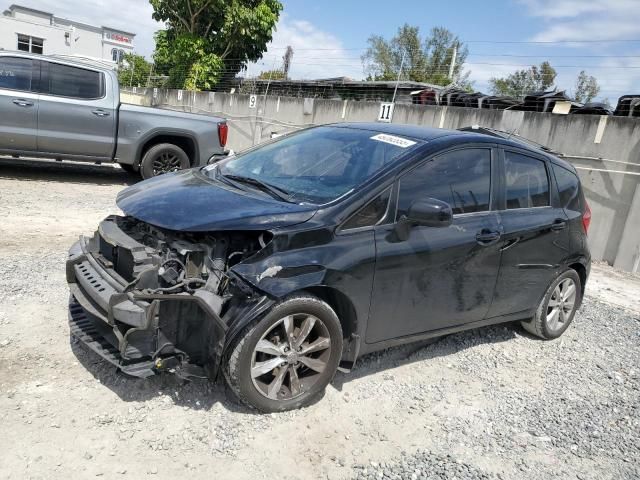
x=23, y=103
x=559, y=224
x=487, y=237
x=100, y=113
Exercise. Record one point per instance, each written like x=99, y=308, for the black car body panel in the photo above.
x=188, y=201
x=387, y=287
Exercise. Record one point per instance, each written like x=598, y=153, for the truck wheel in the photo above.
x=163, y=158
x=286, y=359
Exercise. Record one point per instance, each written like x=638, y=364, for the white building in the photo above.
x=29, y=30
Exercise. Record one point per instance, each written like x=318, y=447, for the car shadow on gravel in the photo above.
x=196, y=394
x=64, y=172
x=426, y=350
x=202, y=394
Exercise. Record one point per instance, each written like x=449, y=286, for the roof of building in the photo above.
x=348, y=82
x=14, y=6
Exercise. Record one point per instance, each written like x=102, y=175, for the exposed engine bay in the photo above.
x=158, y=297
x=179, y=261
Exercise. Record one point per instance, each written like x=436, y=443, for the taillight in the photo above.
x=223, y=132
x=586, y=217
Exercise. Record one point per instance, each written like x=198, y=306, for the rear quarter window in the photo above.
x=568, y=188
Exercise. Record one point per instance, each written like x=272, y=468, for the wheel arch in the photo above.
x=180, y=139
x=341, y=304
x=582, y=273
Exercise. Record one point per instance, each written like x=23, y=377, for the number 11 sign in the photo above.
x=386, y=112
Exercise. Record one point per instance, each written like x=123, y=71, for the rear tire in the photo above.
x=286, y=359
x=163, y=158
x=557, y=308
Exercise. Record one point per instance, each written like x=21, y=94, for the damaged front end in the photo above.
x=149, y=300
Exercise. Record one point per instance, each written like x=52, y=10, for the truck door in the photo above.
x=77, y=114
x=19, y=78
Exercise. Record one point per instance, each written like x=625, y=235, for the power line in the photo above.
x=497, y=42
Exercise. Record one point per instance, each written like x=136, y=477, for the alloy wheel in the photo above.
x=166, y=162
x=561, y=304
x=290, y=357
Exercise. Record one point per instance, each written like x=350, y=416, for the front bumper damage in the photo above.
x=139, y=332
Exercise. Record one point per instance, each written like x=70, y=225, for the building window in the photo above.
x=117, y=55
x=30, y=44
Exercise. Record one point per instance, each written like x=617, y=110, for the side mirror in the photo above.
x=429, y=212
x=426, y=212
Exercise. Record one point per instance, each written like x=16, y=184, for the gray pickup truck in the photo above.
x=70, y=109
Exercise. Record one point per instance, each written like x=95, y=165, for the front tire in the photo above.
x=285, y=360
x=557, y=308
x=163, y=158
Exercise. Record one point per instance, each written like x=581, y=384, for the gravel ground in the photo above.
x=484, y=404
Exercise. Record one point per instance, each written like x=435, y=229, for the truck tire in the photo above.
x=163, y=158
x=286, y=359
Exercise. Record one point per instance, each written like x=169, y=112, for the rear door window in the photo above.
x=527, y=182
x=16, y=73
x=68, y=81
x=461, y=178
x=568, y=188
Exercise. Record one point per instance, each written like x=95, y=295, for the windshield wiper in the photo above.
x=277, y=192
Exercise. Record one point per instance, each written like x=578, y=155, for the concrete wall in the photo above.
x=605, y=150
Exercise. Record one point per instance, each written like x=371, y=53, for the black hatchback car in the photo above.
x=278, y=265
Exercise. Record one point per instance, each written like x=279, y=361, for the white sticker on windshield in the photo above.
x=393, y=140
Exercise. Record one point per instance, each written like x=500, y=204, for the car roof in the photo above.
x=413, y=131
x=72, y=60
x=464, y=135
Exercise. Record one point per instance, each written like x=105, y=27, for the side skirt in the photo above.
x=374, y=347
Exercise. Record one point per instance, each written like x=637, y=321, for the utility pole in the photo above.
x=395, y=90
x=453, y=61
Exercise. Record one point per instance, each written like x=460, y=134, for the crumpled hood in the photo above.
x=190, y=201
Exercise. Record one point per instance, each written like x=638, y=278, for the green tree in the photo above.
x=523, y=82
x=587, y=87
x=425, y=60
x=134, y=71
x=209, y=40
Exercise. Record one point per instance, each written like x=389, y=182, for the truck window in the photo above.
x=15, y=73
x=68, y=81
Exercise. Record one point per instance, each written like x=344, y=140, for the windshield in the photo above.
x=316, y=165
